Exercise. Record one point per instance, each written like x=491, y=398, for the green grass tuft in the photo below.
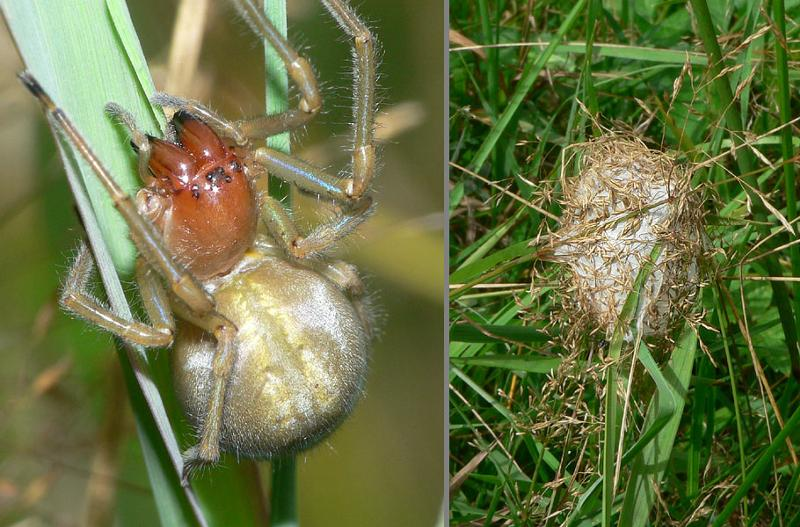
x=711, y=426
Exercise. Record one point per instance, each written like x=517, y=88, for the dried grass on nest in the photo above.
x=625, y=199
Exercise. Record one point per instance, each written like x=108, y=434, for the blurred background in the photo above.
x=69, y=453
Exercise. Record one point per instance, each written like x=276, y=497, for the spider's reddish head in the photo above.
x=200, y=198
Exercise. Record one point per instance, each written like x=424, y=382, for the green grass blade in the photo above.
x=787, y=148
x=284, y=497
x=758, y=468
x=589, y=91
x=277, y=90
x=723, y=327
x=729, y=113
x=494, y=333
x=121, y=18
x=173, y=509
x=622, y=51
x=661, y=426
x=661, y=422
x=77, y=55
x=492, y=69
x=549, y=458
x=483, y=246
x=529, y=75
x=613, y=410
x=513, y=362
x=475, y=267
x=284, y=486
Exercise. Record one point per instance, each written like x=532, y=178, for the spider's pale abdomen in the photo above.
x=300, y=365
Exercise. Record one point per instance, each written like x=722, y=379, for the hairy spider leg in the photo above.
x=348, y=192
x=298, y=68
x=75, y=297
x=200, y=306
x=139, y=140
x=262, y=126
x=283, y=228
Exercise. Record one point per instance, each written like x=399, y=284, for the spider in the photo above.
x=271, y=341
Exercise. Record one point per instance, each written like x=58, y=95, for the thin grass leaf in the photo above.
x=613, y=411
x=661, y=422
x=529, y=75
x=589, y=91
x=480, y=249
x=723, y=327
x=729, y=112
x=661, y=425
x=121, y=19
x=787, y=147
x=763, y=462
x=513, y=362
x=468, y=271
x=619, y=51
x=76, y=54
x=496, y=333
x=502, y=317
x=549, y=458
x=284, y=485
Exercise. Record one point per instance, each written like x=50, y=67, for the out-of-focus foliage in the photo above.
x=525, y=438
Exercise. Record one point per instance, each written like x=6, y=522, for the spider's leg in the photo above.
x=350, y=193
x=241, y=131
x=362, y=170
x=364, y=104
x=283, y=229
x=139, y=140
x=76, y=298
x=154, y=297
x=345, y=276
x=207, y=450
x=261, y=126
x=298, y=68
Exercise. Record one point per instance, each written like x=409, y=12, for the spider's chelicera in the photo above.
x=270, y=348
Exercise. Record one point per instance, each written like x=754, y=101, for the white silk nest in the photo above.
x=626, y=199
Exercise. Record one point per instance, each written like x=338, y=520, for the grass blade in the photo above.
x=758, y=468
x=529, y=75
x=787, y=149
x=77, y=55
x=666, y=408
x=284, y=485
x=729, y=112
x=613, y=411
x=513, y=362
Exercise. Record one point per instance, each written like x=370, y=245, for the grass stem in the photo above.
x=284, y=486
x=729, y=112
